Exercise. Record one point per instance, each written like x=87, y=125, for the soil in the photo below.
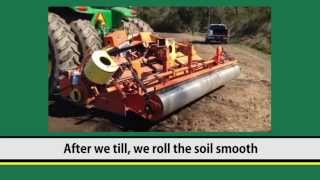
x=242, y=105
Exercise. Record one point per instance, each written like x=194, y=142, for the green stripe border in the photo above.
x=159, y=163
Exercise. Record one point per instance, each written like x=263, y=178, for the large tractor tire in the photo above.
x=130, y=27
x=63, y=49
x=143, y=26
x=87, y=36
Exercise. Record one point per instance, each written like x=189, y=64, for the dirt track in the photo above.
x=242, y=105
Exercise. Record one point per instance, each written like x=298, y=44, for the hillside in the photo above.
x=248, y=25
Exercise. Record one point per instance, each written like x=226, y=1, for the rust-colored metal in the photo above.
x=189, y=57
x=115, y=39
x=148, y=65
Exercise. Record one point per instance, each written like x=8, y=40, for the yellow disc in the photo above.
x=100, y=67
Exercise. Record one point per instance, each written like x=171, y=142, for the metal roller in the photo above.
x=182, y=95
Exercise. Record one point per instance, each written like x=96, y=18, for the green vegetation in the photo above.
x=248, y=25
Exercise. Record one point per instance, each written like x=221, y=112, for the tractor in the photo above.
x=75, y=31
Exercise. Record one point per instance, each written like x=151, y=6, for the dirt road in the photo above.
x=242, y=105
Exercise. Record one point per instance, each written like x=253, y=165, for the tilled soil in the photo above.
x=242, y=105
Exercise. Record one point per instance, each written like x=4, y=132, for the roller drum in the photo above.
x=182, y=95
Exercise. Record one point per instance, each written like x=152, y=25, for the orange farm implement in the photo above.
x=145, y=74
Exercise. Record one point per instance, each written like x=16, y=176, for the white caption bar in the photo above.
x=159, y=148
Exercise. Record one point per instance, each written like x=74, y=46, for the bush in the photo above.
x=254, y=24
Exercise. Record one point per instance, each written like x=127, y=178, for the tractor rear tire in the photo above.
x=86, y=35
x=131, y=28
x=143, y=26
x=63, y=48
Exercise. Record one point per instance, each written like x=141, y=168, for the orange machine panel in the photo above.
x=115, y=39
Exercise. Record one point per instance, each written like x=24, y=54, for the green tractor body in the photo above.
x=105, y=19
